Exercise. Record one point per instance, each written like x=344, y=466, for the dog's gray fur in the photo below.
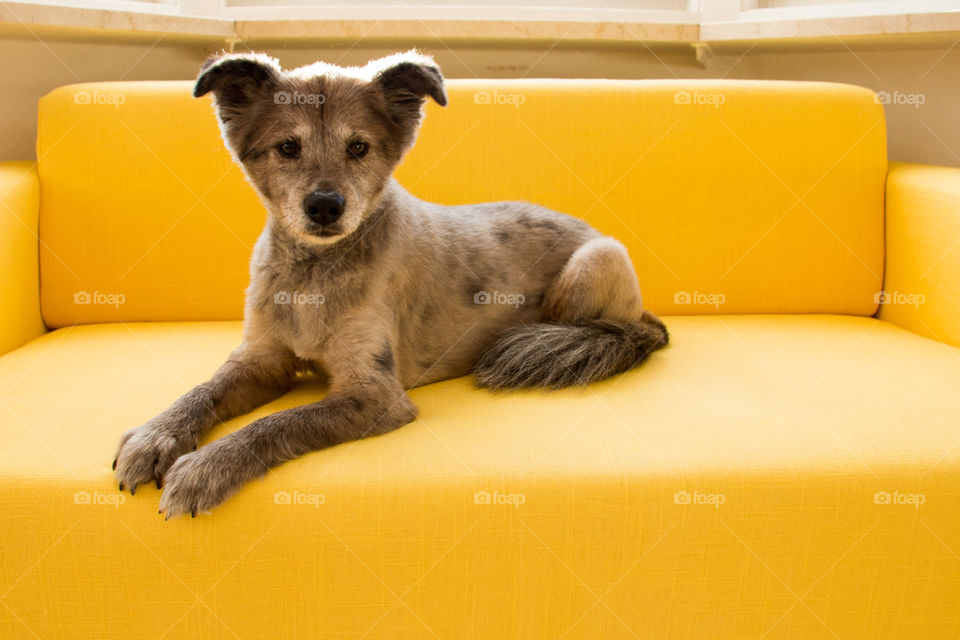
x=386, y=297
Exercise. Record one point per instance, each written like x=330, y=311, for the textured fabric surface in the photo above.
x=732, y=197
x=922, y=270
x=763, y=476
x=20, y=283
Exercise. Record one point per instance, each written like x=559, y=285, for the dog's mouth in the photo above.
x=324, y=230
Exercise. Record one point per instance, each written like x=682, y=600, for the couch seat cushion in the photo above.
x=788, y=475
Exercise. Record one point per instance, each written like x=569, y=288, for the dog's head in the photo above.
x=320, y=142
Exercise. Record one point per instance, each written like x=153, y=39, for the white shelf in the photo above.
x=233, y=24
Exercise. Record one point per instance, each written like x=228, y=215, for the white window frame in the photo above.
x=696, y=22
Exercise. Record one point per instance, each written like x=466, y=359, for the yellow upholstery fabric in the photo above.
x=20, y=285
x=765, y=476
x=922, y=274
x=786, y=433
x=732, y=197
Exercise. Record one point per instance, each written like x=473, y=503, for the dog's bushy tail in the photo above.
x=554, y=355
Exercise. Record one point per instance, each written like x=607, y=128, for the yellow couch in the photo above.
x=787, y=468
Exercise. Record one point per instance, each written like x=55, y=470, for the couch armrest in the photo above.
x=922, y=272
x=20, y=319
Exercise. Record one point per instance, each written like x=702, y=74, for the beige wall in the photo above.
x=929, y=133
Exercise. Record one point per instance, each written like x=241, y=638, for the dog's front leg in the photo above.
x=203, y=479
x=253, y=375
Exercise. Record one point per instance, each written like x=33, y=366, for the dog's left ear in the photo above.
x=406, y=80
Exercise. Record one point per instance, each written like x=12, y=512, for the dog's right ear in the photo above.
x=236, y=79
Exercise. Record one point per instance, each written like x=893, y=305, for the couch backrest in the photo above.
x=732, y=196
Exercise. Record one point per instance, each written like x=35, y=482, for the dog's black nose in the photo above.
x=323, y=207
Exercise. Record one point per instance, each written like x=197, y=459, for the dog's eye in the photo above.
x=358, y=149
x=289, y=148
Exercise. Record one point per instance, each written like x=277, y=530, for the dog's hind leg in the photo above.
x=598, y=281
x=592, y=326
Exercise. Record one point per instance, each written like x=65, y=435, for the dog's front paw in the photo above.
x=145, y=453
x=199, y=481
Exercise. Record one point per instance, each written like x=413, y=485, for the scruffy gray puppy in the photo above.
x=358, y=281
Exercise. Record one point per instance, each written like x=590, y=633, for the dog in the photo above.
x=356, y=280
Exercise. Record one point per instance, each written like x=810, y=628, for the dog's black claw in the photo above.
x=159, y=510
x=115, y=464
x=133, y=491
x=157, y=478
x=193, y=514
x=122, y=487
